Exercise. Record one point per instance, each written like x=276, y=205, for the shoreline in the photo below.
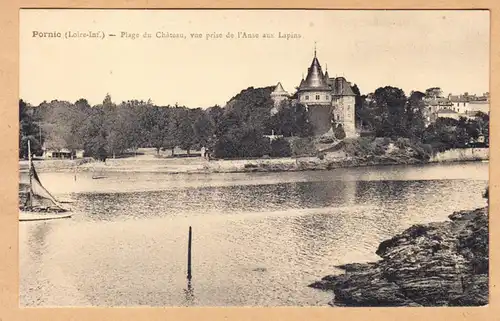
x=198, y=165
x=436, y=264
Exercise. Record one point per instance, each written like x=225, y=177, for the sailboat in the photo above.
x=40, y=204
x=98, y=176
x=94, y=176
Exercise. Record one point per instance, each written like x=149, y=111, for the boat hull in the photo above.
x=34, y=216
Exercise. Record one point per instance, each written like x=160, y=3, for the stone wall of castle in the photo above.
x=315, y=97
x=344, y=114
x=277, y=99
x=320, y=118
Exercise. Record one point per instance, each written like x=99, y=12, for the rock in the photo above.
x=352, y=267
x=436, y=264
x=475, y=292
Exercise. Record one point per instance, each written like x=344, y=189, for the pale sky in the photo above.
x=413, y=50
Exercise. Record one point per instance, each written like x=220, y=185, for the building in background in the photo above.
x=329, y=101
x=456, y=106
x=278, y=96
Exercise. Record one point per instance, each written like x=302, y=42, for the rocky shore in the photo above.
x=437, y=264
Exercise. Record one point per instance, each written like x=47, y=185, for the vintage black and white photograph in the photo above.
x=186, y=158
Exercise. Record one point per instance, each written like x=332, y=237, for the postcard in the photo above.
x=254, y=158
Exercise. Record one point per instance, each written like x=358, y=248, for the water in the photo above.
x=258, y=239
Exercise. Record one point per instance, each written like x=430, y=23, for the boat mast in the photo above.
x=30, y=197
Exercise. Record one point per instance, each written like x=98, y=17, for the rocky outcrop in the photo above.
x=438, y=264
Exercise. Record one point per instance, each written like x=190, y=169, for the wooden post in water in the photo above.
x=189, y=276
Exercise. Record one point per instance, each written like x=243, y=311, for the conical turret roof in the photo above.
x=279, y=88
x=315, y=78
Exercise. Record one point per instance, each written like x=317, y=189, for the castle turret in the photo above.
x=314, y=89
x=343, y=103
x=325, y=100
x=278, y=95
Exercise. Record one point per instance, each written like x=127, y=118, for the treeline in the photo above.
x=235, y=130
x=388, y=112
x=110, y=129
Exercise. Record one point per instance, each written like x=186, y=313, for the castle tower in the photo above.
x=343, y=103
x=278, y=95
x=327, y=100
x=314, y=89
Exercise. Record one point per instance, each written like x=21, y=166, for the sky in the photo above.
x=412, y=50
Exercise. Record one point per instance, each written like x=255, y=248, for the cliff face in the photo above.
x=438, y=264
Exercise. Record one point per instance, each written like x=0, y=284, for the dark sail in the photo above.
x=39, y=198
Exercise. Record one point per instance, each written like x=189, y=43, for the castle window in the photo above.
x=327, y=97
x=307, y=97
x=317, y=97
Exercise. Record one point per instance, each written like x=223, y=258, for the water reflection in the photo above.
x=37, y=239
x=260, y=239
x=189, y=294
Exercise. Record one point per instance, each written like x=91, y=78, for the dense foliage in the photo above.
x=389, y=113
x=29, y=129
x=236, y=130
x=280, y=148
x=448, y=133
x=339, y=132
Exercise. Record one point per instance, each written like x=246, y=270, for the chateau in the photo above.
x=327, y=100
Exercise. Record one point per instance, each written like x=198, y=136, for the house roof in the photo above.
x=438, y=101
x=446, y=111
x=341, y=87
x=458, y=99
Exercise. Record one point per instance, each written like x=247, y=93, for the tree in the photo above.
x=415, y=118
x=204, y=129
x=339, y=132
x=472, y=129
x=280, y=148
x=358, y=104
x=82, y=104
x=389, y=105
x=186, y=137
x=251, y=107
x=461, y=134
x=290, y=120
x=433, y=92
x=107, y=102
x=29, y=129
x=283, y=122
x=242, y=142
x=230, y=119
x=160, y=128
x=369, y=117
x=483, y=123
x=133, y=114
x=116, y=126
x=62, y=123
x=95, y=135
x=216, y=114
